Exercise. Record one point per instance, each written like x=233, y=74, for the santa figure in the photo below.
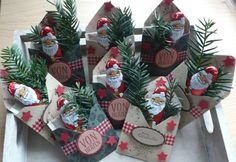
x=70, y=115
x=157, y=102
x=201, y=81
x=24, y=94
x=114, y=78
x=102, y=38
x=49, y=43
x=177, y=23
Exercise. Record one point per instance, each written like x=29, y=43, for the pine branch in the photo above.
x=30, y=73
x=34, y=36
x=82, y=99
x=121, y=25
x=66, y=23
x=136, y=78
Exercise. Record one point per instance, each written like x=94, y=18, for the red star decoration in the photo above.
x=168, y=2
x=123, y=146
x=111, y=140
x=162, y=156
x=114, y=52
x=171, y=125
x=203, y=104
x=26, y=116
x=108, y=6
x=91, y=50
x=101, y=93
x=229, y=61
x=64, y=137
x=3, y=73
x=160, y=82
x=146, y=46
x=60, y=90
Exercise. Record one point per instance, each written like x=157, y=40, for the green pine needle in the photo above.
x=121, y=25
x=34, y=36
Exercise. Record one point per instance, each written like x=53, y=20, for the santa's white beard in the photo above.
x=114, y=82
x=70, y=118
x=155, y=107
x=196, y=83
x=177, y=33
x=104, y=41
x=50, y=50
x=30, y=96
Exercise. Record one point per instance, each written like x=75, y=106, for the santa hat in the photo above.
x=112, y=64
x=177, y=16
x=102, y=23
x=46, y=31
x=160, y=90
x=12, y=88
x=213, y=71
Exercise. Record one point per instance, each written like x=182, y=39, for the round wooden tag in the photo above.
x=89, y=142
x=166, y=57
x=118, y=109
x=61, y=71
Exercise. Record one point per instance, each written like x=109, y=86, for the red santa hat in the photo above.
x=46, y=30
x=12, y=88
x=159, y=90
x=213, y=71
x=177, y=16
x=112, y=64
x=102, y=22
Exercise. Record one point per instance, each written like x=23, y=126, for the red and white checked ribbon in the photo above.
x=169, y=139
x=38, y=125
x=93, y=60
x=104, y=105
x=128, y=127
x=151, y=58
x=74, y=65
x=70, y=148
x=196, y=111
x=104, y=126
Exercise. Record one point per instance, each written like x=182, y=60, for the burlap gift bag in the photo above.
x=163, y=57
x=195, y=106
x=150, y=143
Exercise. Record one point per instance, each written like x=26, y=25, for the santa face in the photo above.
x=114, y=78
x=177, y=29
x=102, y=38
x=26, y=95
x=200, y=80
x=69, y=116
x=157, y=103
x=50, y=45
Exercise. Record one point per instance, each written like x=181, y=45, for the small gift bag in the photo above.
x=84, y=134
x=109, y=25
x=165, y=37
x=151, y=141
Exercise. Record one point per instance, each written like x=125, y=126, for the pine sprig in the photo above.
x=159, y=32
x=34, y=36
x=82, y=99
x=171, y=108
x=201, y=47
x=30, y=73
x=67, y=23
x=136, y=78
x=121, y=25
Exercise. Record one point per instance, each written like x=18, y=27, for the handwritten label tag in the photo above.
x=147, y=136
x=166, y=57
x=89, y=142
x=118, y=109
x=61, y=71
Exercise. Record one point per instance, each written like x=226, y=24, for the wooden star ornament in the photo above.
x=108, y=6
x=203, y=104
x=123, y=146
x=229, y=61
x=26, y=116
x=60, y=90
x=101, y=93
x=91, y=50
x=111, y=140
x=64, y=137
x=162, y=156
x=171, y=125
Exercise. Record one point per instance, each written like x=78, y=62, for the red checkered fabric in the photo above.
x=196, y=112
x=169, y=139
x=104, y=105
x=70, y=148
x=151, y=58
x=93, y=60
x=77, y=64
x=38, y=125
x=128, y=127
x=104, y=126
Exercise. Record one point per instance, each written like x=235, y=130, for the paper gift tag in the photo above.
x=141, y=141
x=93, y=144
x=162, y=60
